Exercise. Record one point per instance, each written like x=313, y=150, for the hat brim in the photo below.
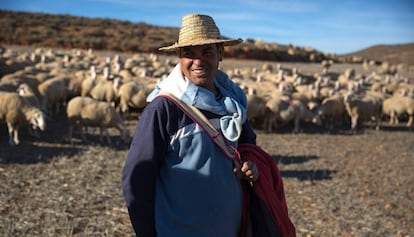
x=225, y=42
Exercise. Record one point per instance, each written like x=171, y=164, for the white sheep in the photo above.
x=10, y=86
x=53, y=94
x=396, y=106
x=133, y=94
x=28, y=94
x=305, y=114
x=285, y=110
x=326, y=64
x=363, y=109
x=87, y=80
x=86, y=111
x=332, y=111
x=16, y=112
x=274, y=105
x=107, y=90
x=256, y=107
x=306, y=94
x=87, y=85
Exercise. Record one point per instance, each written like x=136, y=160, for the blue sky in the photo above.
x=327, y=25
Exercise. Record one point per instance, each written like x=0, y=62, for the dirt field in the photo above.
x=337, y=184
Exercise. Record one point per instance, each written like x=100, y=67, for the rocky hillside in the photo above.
x=65, y=31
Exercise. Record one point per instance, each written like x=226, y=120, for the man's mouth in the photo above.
x=200, y=71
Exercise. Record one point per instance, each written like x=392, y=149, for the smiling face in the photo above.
x=200, y=64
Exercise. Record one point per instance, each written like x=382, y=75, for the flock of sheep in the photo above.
x=328, y=99
x=95, y=90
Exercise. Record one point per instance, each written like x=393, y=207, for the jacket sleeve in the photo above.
x=248, y=134
x=147, y=149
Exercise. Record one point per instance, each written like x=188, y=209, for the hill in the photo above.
x=65, y=31
x=400, y=53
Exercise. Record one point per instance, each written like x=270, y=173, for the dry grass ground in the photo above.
x=336, y=184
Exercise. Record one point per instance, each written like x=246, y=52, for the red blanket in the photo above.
x=269, y=186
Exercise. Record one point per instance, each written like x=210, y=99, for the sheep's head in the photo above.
x=37, y=120
x=24, y=89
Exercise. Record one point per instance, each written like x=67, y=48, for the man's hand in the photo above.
x=246, y=170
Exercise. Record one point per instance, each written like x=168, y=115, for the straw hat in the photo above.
x=197, y=29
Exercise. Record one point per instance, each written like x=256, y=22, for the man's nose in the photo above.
x=197, y=60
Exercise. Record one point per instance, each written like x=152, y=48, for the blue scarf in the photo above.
x=232, y=105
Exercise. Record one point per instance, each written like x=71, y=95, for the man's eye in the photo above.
x=210, y=52
x=186, y=54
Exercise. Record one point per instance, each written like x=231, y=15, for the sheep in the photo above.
x=74, y=87
x=10, y=86
x=285, y=110
x=332, y=111
x=133, y=94
x=28, y=94
x=405, y=90
x=306, y=94
x=106, y=90
x=286, y=88
x=16, y=112
x=263, y=88
x=363, y=109
x=256, y=107
x=53, y=94
x=305, y=114
x=86, y=111
x=20, y=77
x=88, y=81
x=298, y=112
x=396, y=106
x=125, y=74
x=279, y=109
x=87, y=85
x=326, y=64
